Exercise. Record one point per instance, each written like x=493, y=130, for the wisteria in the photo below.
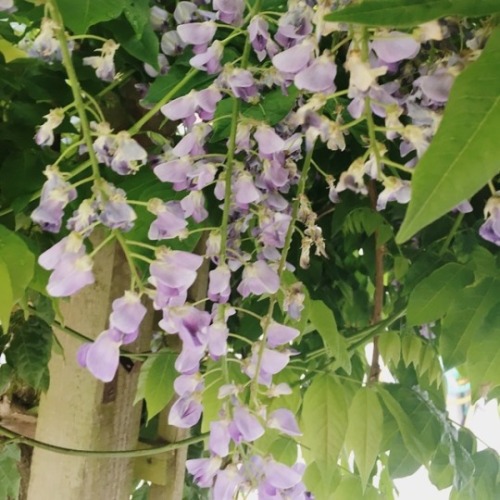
x=252, y=186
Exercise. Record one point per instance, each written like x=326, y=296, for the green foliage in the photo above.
x=364, y=431
x=466, y=318
x=324, y=420
x=484, y=372
x=410, y=12
x=466, y=137
x=10, y=454
x=17, y=265
x=324, y=321
x=79, y=16
x=156, y=382
x=29, y=350
x=432, y=296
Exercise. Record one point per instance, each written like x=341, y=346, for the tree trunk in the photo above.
x=81, y=412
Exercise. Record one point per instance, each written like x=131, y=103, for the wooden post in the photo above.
x=81, y=412
x=175, y=463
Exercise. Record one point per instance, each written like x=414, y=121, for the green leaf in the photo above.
x=284, y=449
x=137, y=14
x=465, y=318
x=401, y=462
x=272, y=108
x=323, y=319
x=411, y=346
x=156, y=382
x=389, y=345
x=19, y=259
x=448, y=174
x=407, y=430
x=144, y=48
x=324, y=419
x=364, y=431
x=322, y=480
x=29, y=350
x=351, y=488
x=10, y=479
x=410, y=12
x=432, y=297
x=483, y=357
x=165, y=83
x=6, y=295
x=80, y=15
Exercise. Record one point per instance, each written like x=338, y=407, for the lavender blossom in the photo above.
x=318, y=76
x=171, y=43
x=194, y=206
x=219, y=288
x=395, y=190
x=209, y=60
x=258, y=278
x=46, y=46
x=116, y=213
x=204, y=470
x=56, y=194
x=170, y=221
x=277, y=334
x=127, y=313
x=128, y=156
x=45, y=134
x=284, y=421
x=490, y=229
x=394, y=46
x=104, y=64
x=185, y=412
x=230, y=11
x=102, y=357
x=197, y=34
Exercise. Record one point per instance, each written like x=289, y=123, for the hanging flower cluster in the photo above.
x=260, y=179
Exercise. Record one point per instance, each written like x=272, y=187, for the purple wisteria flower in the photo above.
x=128, y=156
x=171, y=43
x=115, y=212
x=436, y=86
x=46, y=46
x=45, y=134
x=258, y=278
x=83, y=218
x=184, y=108
x=56, y=194
x=490, y=229
x=204, y=470
x=170, y=221
x=284, y=421
x=197, y=34
x=394, y=190
x=241, y=83
x=127, y=314
x=318, y=76
x=172, y=274
x=394, y=46
x=295, y=59
x=230, y=11
x=194, y=206
x=219, y=288
x=185, y=412
x=6, y=5
x=262, y=43
x=104, y=64
x=277, y=334
x=102, y=356
x=209, y=60
x=71, y=267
